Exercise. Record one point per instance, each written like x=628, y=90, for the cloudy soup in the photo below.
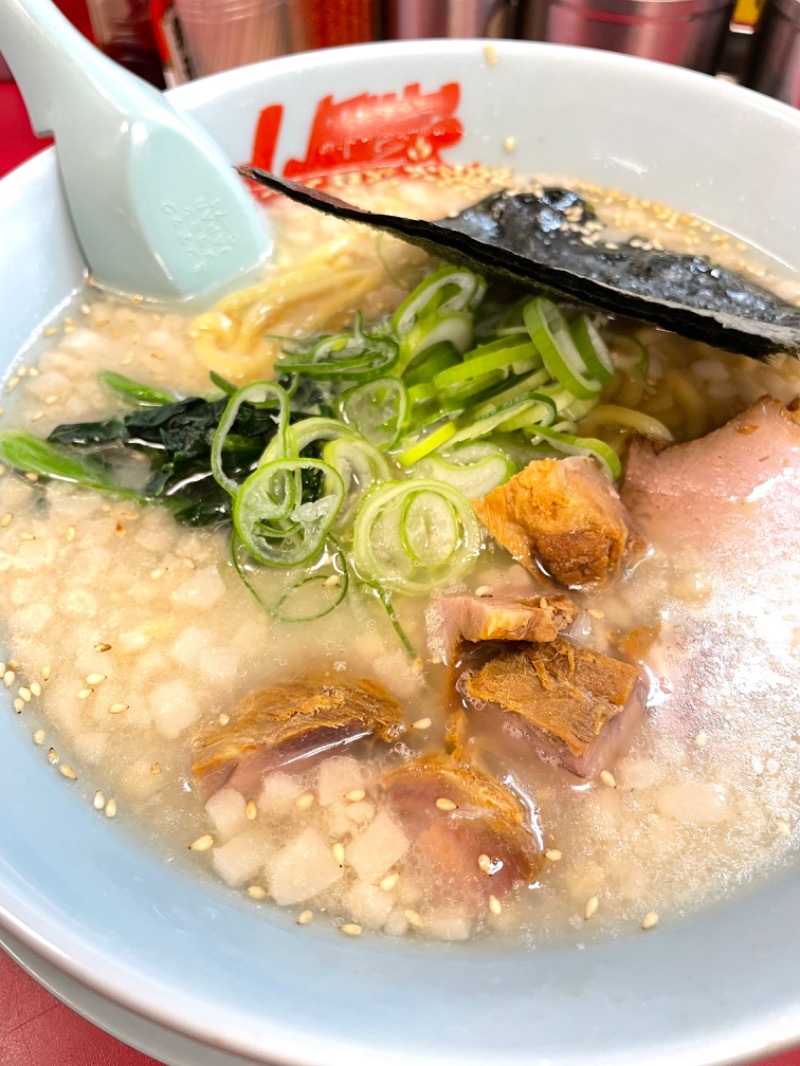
x=412, y=601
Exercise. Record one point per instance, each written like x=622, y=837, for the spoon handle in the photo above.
x=50, y=60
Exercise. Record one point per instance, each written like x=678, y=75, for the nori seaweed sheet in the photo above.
x=529, y=239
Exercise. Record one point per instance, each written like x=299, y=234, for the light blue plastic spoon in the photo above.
x=158, y=210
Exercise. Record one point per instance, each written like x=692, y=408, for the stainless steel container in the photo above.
x=686, y=33
x=774, y=66
x=414, y=19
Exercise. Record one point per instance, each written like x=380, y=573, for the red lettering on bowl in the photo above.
x=367, y=131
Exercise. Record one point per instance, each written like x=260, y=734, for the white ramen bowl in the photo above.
x=189, y=971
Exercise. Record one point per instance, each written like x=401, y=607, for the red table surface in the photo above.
x=35, y=1029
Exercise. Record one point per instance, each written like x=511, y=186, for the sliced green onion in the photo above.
x=518, y=387
x=569, y=444
x=135, y=393
x=260, y=394
x=428, y=444
x=401, y=542
x=309, y=595
x=391, y=613
x=377, y=410
x=360, y=466
x=550, y=333
x=276, y=525
x=421, y=392
x=473, y=469
x=453, y=328
x=532, y=408
x=437, y=358
x=24, y=451
x=349, y=356
x=449, y=289
x=592, y=348
x=609, y=414
x=499, y=355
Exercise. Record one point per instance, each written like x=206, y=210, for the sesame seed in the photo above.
x=32, y=477
x=304, y=917
x=2, y=469
x=650, y=920
x=388, y=883
x=445, y=804
x=701, y=739
x=305, y=801
x=155, y=768
x=224, y=719
x=99, y=801
x=422, y=724
x=783, y=827
x=490, y=53
x=84, y=693
x=45, y=673
x=594, y=612
x=553, y=854
x=484, y=864
x=338, y=854
x=355, y=795
x=257, y=892
x=19, y=705
x=12, y=383
x=8, y=678
x=495, y=906
x=52, y=756
x=6, y=520
x=509, y=144
x=351, y=929
x=111, y=808
x=483, y=590
x=95, y=679
x=36, y=688
x=332, y=581
x=608, y=779
x=117, y=708
x=589, y=911
x=203, y=843
x=50, y=331
x=413, y=918
x=27, y=536
x=101, y=646
x=38, y=737
x=25, y=693
x=156, y=574
x=251, y=810
x=67, y=771
x=13, y=664
x=70, y=534
x=37, y=417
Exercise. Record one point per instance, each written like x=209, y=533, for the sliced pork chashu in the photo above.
x=479, y=618
x=726, y=508
x=560, y=516
x=472, y=837
x=287, y=724
x=575, y=706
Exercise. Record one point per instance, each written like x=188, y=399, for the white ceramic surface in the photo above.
x=105, y=911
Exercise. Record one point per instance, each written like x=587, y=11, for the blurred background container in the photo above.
x=409, y=19
x=687, y=33
x=774, y=64
x=123, y=29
